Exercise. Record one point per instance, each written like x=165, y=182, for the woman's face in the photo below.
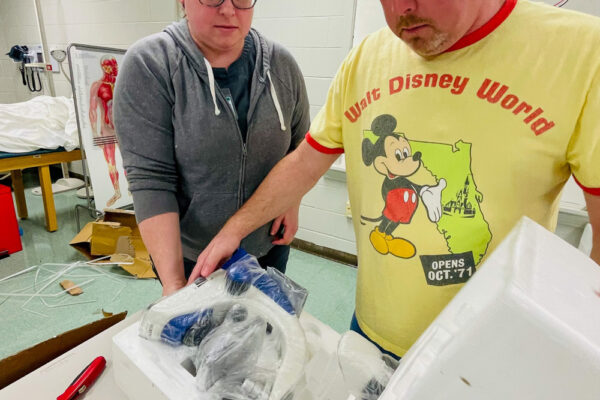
x=218, y=29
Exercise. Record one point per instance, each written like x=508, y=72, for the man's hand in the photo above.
x=289, y=221
x=304, y=166
x=215, y=254
x=172, y=287
x=432, y=199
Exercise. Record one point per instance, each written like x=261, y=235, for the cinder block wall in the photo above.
x=115, y=23
x=319, y=35
x=17, y=26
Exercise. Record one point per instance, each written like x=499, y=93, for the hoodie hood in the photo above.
x=180, y=33
x=182, y=36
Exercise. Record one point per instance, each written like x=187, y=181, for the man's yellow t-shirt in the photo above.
x=444, y=155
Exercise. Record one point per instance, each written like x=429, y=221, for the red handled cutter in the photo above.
x=84, y=380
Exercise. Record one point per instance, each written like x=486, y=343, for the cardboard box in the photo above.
x=17, y=366
x=116, y=235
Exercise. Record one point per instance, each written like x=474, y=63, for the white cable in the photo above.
x=118, y=294
x=211, y=84
x=48, y=284
x=34, y=312
x=38, y=294
x=18, y=273
x=59, y=304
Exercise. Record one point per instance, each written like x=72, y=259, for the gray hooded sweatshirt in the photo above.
x=180, y=141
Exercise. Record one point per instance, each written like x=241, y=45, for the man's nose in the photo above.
x=402, y=7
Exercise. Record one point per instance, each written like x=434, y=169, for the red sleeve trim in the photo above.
x=320, y=148
x=594, y=191
x=487, y=28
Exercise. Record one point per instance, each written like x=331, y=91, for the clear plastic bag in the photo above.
x=295, y=293
x=254, y=385
x=366, y=370
x=170, y=318
x=231, y=348
x=245, y=270
x=243, y=322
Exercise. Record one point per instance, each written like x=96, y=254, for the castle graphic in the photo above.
x=461, y=206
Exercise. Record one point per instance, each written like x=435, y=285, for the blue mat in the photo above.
x=30, y=153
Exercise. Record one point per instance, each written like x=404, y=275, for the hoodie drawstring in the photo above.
x=211, y=82
x=276, y=101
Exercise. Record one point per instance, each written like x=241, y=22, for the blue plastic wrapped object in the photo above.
x=202, y=327
x=246, y=271
x=174, y=331
x=235, y=257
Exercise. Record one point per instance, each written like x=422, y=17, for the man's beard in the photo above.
x=426, y=46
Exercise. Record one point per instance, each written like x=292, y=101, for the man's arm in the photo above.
x=285, y=185
x=593, y=208
x=161, y=236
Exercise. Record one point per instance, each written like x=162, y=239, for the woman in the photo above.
x=203, y=111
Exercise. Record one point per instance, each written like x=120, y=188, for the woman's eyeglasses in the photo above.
x=239, y=4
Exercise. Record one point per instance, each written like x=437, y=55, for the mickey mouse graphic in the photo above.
x=391, y=156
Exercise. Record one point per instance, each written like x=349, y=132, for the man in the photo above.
x=476, y=117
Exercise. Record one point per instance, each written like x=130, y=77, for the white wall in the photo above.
x=7, y=89
x=112, y=23
x=14, y=29
x=317, y=32
x=319, y=35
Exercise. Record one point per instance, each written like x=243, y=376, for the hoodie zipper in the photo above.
x=242, y=176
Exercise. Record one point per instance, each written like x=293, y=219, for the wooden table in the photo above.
x=15, y=164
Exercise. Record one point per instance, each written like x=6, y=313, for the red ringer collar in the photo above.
x=487, y=28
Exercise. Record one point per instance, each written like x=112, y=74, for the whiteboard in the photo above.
x=369, y=14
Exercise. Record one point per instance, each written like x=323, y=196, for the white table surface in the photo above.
x=52, y=379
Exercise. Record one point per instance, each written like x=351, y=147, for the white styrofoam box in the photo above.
x=526, y=326
x=149, y=370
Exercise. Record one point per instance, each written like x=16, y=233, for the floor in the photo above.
x=24, y=322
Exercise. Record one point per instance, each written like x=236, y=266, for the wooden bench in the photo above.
x=42, y=159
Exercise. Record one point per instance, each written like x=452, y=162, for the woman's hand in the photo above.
x=289, y=221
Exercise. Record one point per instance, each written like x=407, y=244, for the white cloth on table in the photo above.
x=43, y=122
